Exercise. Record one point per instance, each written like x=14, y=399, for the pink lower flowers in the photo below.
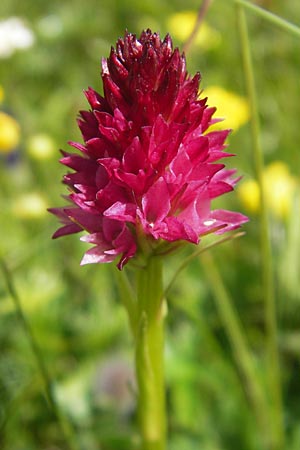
x=147, y=171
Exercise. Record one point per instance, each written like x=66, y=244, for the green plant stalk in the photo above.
x=149, y=355
x=65, y=427
x=200, y=18
x=127, y=297
x=242, y=354
x=285, y=25
x=265, y=242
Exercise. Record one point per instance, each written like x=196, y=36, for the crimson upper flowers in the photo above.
x=147, y=171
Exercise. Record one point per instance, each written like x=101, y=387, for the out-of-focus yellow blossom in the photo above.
x=231, y=107
x=30, y=206
x=249, y=194
x=280, y=187
x=1, y=94
x=181, y=24
x=9, y=133
x=41, y=146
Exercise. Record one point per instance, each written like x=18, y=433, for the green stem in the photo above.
x=65, y=427
x=242, y=354
x=265, y=242
x=200, y=18
x=270, y=17
x=127, y=297
x=150, y=355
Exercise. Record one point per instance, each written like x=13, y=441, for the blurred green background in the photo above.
x=49, y=53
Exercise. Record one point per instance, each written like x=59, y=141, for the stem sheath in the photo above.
x=265, y=241
x=149, y=356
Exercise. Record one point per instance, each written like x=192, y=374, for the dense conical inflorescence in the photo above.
x=147, y=169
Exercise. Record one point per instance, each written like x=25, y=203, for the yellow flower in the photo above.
x=41, y=146
x=30, y=206
x=231, y=107
x=248, y=193
x=9, y=133
x=280, y=187
x=181, y=24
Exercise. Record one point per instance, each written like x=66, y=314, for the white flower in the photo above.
x=14, y=35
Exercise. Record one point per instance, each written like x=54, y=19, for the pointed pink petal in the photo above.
x=124, y=212
x=96, y=255
x=156, y=202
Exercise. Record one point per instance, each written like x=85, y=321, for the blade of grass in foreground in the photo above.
x=272, y=18
x=234, y=331
x=65, y=428
x=194, y=255
x=265, y=242
x=242, y=354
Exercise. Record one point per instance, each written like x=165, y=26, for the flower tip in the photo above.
x=104, y=66
x=168, y=41
x=90, y=257
x=84, y=261
x=52, y=210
